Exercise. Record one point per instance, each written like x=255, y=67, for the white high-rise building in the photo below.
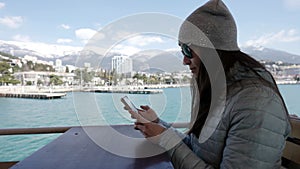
x=58, y=62
x=122, y=64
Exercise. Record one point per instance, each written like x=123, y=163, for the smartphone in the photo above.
x=128, y=104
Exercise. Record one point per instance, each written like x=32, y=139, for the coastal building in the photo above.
x=87, y=65
x=58, y=62
x=34, y=78
x=122, y=64
x=59, y=67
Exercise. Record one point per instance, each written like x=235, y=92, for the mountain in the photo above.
x=147, y=60
x=267, y=54
x=40, y=50
x=158, y=60
x=167, y=61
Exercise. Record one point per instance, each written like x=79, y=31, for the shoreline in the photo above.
x=287, y=82
x=64, y=89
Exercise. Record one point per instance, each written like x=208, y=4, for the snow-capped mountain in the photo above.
x=267, y=54
x=40, y=50
x=169, y=60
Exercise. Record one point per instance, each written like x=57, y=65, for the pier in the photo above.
x=129, y=91
x=34, y=95
x=124, y=89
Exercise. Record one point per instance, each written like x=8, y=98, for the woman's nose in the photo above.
x=186, y=61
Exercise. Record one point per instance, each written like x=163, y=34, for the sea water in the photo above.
x=79, y=108
x=173, y=105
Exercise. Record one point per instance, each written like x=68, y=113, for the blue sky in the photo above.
x=269, y=23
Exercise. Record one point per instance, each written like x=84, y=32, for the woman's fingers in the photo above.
x=139, y=126
x=145, y=107
x=150, y=130
x=143, y=129
x=138, y=117
x=149, y=114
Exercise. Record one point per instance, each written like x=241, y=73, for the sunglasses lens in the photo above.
x=186, y=51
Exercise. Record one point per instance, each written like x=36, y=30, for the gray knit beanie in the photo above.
x=212, y=26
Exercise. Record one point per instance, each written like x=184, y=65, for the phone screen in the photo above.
x=129, y=105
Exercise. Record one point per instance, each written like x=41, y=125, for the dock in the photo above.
x=124, y=89
x=145, y=91
x=34, y=95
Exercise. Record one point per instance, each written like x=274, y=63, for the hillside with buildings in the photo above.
x=31, y=71
x=22, y=65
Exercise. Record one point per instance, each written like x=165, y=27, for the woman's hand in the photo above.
x=147, y=113
x=147, y=123
x=150, y=130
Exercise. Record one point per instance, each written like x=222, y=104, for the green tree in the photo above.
x=30, y=65
x=4, y=66
x=153, y=79
x=6, y=74
x=67, y=69
x=84, y=75
x=137, y=76
x=297, y=78
x=40, y=82
x=113, y=77
x=28, y=83
x=145, y=79
x=8, y=55
x=14, y=81
x=40, y=67
x=55, y=80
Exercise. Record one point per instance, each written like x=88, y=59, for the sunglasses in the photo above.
x=186, y=51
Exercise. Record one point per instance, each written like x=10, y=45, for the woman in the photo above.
x=247, y=127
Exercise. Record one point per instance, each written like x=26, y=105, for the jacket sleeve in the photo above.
x=182, y=156
x=165, y=124
x=256, y=136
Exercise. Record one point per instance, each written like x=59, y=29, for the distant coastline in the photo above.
x=288, y=82
x=62, y=89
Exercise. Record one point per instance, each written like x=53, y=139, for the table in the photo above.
x=76, y=149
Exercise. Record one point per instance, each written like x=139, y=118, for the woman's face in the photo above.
x=193, y=62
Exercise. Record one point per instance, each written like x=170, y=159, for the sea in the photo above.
x=87, y=108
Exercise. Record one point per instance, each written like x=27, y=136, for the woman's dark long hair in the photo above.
x=228, y=59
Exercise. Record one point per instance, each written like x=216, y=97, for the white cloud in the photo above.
x=11, y=21
x=124, y=49
x=292, y=4
x=21, y=38
x=144, y=40
x=85, y=34
x=62, y=40
x=2, y=5
x=283, y=36
x=64, y=26
x=135, y=44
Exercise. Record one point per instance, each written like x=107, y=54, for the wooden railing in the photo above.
x=290, y=158
x=47, y=130
x=44, y=130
